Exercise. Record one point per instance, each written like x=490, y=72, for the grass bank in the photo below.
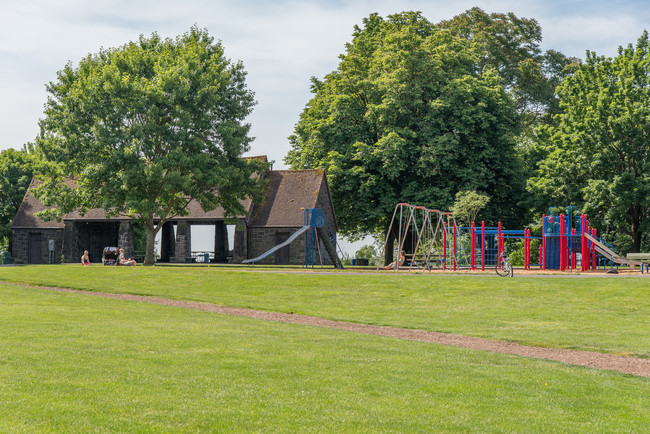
x=74, y=363
x=599, y=314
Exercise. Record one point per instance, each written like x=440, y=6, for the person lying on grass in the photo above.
x=123, y=261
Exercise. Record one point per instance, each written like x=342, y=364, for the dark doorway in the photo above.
x=35, y=249
x=282, y=255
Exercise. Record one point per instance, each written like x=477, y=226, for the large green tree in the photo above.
x=598, y=151
x=147, y=127
x=511, y=46
x=16, y=172
x=408, y=116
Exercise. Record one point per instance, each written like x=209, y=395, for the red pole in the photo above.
x=483, y=246
x=583, y=243
x=525, y=249
x=594, y=257
x=542, y=261
x=587, y=244
x=473, y=247
x=573, y=253
x=562, y=265
x=454, y=245
x=444, y=246
x=499, y=248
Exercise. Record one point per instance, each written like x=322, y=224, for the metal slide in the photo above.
x=609, y=253
x=279, y=246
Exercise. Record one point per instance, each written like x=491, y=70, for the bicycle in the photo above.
x=503, y=266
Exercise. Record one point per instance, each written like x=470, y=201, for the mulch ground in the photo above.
x=628, y=365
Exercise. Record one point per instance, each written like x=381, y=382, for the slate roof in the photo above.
x=25, y=217
x=287, y=193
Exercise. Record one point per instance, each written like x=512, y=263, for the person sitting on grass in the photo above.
x=123, y=261
x=398, y=263
x=85, y=260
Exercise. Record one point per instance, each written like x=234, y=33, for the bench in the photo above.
x=643, y=257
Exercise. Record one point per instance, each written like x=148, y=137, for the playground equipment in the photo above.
x=432, y=239
x=319, y=232
x=426, y=235
x=567, y=235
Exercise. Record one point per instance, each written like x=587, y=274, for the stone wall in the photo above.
x=183, y=247
x=262, y=239
x=240, y=247
x=21, y=245
x=125, y=239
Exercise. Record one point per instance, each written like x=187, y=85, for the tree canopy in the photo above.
x=510, y=45
x=598, y=150
x=147, y=127
x=409, y=116
x=16, y=172
x=467, y=206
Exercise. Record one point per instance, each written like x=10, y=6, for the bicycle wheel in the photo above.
x=502, y=270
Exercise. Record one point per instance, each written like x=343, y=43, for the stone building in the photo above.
x=281, y=213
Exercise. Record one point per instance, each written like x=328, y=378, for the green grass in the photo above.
x=600, y=314
x=75, y=363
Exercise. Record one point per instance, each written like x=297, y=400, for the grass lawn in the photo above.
x=75, y=363
x=600, y=314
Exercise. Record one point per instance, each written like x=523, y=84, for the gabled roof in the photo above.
x=25, y=217
x=287, y=193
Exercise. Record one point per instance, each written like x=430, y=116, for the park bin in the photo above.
x=6, y=258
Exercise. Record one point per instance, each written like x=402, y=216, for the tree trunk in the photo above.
x=636, y=228
x=388, y=252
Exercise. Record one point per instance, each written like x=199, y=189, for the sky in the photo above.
x=281, y=44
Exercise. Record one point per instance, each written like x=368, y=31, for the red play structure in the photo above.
x=431, y=239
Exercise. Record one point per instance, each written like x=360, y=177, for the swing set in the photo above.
x=431, y=239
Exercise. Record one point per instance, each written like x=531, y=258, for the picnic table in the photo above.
x=643, y=257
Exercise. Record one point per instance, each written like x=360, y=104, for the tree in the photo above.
x=407, y=117
x=16, y=172
x=598, y=153
x=468, y=204
x=144, y=128
x=510, y=45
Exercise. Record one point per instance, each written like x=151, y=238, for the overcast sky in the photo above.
x=281, y=43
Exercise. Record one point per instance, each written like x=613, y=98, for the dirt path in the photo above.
x=628, y=365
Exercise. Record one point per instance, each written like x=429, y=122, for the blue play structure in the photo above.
x=319, y=232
